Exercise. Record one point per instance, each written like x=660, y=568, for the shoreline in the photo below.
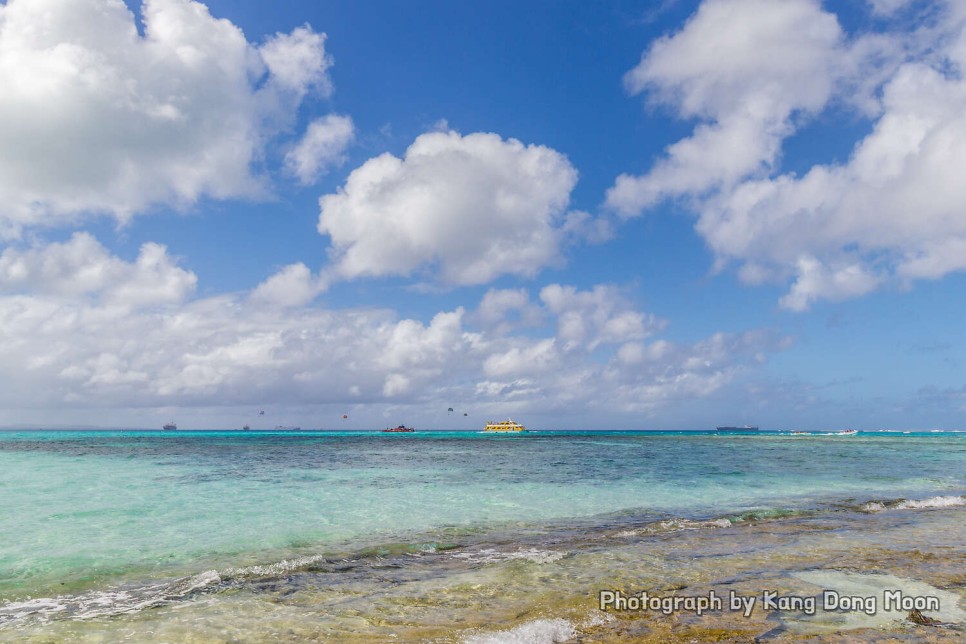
x=547, y=586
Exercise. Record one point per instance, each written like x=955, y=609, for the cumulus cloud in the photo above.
x=646, y=377
x=293, y=285
x=503, y=310
x=471, y=208
x=323, y=144
x=297, y=61
x=562, y=371
x=891, y=214
x=590, y=318
x=96, y=118
x=85, y=329
x=83, y=267
x=743, y=67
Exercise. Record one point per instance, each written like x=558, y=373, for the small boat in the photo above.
x=246, y=428
x=400, y=429
x=504, y=426
x=847, y=432
x=169, y=426
x=746, y=429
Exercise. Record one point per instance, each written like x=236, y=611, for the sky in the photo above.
x=609, y=215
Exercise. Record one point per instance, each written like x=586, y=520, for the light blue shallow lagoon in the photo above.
x=100, y=531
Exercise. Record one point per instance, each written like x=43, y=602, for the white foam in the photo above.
x=540, y=631
x=914, y=504
x=676, y=525
x=597, y=618
x=491, y=555
x=11, y=611
x=934, y=502
x=277, y=568
x=104, y=603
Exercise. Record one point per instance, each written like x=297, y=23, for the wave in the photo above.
x=105, y=603
x=136, y=597
x=492, y=555
x=677, y=524
x=913, y=504
x=132, y=598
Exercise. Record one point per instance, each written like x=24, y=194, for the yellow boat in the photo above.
x=504, y=426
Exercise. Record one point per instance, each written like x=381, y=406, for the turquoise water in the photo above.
x=83, y=511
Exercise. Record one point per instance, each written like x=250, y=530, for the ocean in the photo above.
x=221, y=536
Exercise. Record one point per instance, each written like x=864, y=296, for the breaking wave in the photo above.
x=104, y=603
x=913, y=504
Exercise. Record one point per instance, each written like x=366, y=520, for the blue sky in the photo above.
x=605, y=215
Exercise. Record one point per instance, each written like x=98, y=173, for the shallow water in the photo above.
x=221, y=536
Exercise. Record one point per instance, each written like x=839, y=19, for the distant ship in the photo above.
x=170, y=425
x=401, y=429
x=286, y=428
x=504, y=426
x=246, y=428
x=747, y=429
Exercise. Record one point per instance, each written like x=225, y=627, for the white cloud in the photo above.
x=745, y=67
x=646, y=377
x=581, y=225
x=293, y=285
x=82, y=267
x=892, y=213
x=815, y=280
x=560, y=372
x=95, y=118
x=82, y=340
x=590, y=318
x=297, y=61
x=471, y=207
x=504, y=310
x=323, y=145
x=530, y=359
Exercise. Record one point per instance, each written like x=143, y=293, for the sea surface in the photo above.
x=221, y=536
